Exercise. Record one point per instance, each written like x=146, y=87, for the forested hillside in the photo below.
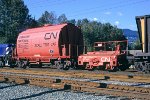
x=14, y=18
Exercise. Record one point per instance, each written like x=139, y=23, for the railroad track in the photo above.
x=130, y=77
x=66, y=81
x=80, y=86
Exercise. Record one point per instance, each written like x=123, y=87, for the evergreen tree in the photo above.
x=94, y=31
x=136, y=45
x=47, y=18
x=13, y=17
x=73, y=21
x=62, y=19
x=31, y=22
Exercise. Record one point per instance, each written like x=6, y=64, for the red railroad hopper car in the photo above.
x=107, y=55
x=50, y=44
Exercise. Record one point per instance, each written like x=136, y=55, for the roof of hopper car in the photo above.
x=44, y=28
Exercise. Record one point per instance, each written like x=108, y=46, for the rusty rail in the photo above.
x=82, y=74
x=79, y=86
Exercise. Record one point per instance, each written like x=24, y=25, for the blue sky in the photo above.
x=117, y=12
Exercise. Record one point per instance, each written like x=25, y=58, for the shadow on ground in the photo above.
x=39, y=94
x=10, y=85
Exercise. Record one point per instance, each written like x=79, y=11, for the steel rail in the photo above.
x=76, y=85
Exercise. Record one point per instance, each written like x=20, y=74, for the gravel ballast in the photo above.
x=10, y=91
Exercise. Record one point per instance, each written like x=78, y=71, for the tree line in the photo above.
x=15, y=18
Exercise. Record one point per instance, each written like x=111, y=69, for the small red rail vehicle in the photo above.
x=106, y=55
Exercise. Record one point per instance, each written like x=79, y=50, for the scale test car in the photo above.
x=58, y=45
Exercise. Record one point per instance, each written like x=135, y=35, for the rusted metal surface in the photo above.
x=113, y=92
x=83, y=74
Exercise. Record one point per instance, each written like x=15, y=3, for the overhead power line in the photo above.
x=110, y=8
x=52, y=4
x=39, y=2
x=102, y=7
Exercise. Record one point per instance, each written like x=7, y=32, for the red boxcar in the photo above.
x=55, y=44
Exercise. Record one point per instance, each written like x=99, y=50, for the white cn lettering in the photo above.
x=105, y=59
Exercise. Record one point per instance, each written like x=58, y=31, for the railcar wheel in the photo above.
x=147, y=72
x=66, y=67
x=19, y=65
x=114, y=69
x=74, y=65
x=89, y=67
x=138, y=67
x=1, y=64
x=12, y=63
x=146, y=68
x=58, y=65
x=22, y=64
